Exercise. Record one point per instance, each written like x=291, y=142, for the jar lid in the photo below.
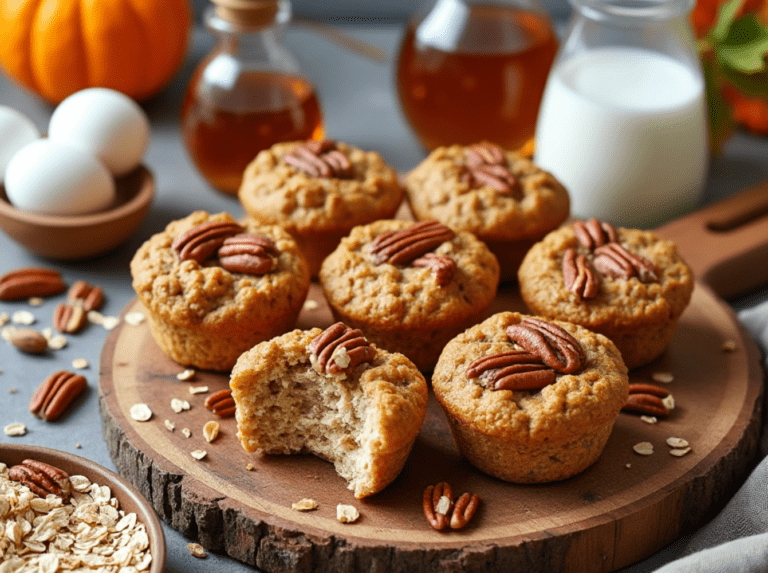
x=247, y=13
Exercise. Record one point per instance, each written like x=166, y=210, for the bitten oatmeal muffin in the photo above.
x=627, y=284
x=500, y=196
x=332, y=394
x=318, y=191
x=213, y=287
x=410, y=287
x=530, y=400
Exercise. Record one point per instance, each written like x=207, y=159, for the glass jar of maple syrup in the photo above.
x=474, y=70
x=247, y=94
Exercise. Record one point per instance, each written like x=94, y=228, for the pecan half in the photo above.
x=221, y=403
x=578, y=276
x=512, y=370
x=29, y=282
x=248, y=254
x=464, y=510
x=340, y=347
x=202, y=241
x=405, y=245
x=647, y=399
x=320, y=159
x=594, y=233
x=69, y=317
x=55, y=394
x=615, y=261
x=443, y=267
x=90, y=297
x=486, y=165
x=441, y=511
x=42, y=478
x=557, y=348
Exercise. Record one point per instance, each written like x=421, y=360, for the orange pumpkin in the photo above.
x=58, y=47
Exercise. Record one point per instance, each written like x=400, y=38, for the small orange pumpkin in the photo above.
x=58, y=47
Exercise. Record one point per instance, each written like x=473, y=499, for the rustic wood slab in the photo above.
x=620, y=510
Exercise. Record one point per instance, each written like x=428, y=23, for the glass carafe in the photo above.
x=623, y=121
x=474, y=70
x=247, y=94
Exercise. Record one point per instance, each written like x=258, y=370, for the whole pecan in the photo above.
x=578, y=276
x=221, y=403
x=69, y=317
x=594, y=233
x=486, y=165
x=90, y=297
x=614, y=260
x=441, y=511
x=338, y=340
x=512, y=370
x=248, y=254
x=443, y=267
x=647, y=399
x=405, y=245
x=55, y=394
x=320, y=159
x=29, y=282
x=42, y=478
x=29, y=340
x=556, y=347
x=202, y=241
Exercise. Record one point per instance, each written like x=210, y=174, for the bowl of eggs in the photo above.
x=82, y=190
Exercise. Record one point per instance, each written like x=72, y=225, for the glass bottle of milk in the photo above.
x=623, y=120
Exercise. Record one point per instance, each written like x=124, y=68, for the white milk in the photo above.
x=625, y=131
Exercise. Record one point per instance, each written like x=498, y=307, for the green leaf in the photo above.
x=721, y=122
x=751, y=85
x=745, y=45
x=725, y=17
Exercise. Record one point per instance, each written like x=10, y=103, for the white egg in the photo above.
x=105, y=122
x=58, y=179
x=16, y=130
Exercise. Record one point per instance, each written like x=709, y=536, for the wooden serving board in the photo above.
x=618, y=511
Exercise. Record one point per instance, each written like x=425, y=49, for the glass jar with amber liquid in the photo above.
x=475, y=70
x=247, y=94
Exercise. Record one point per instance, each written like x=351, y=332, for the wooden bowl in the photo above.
x=131, y=501
x=70, y=237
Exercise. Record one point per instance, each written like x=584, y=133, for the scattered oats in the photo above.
x=188, y=374
x=179, y=405
x=679, y=452
x=649, y=419
x=628, y=466
x=187, y=432
x=198, y=454
x=15, y=429
x=662, y=377
x=78, y=446
x=250, y=467
x=23, y=317
x=170, y=425
x=4, y=318
x=310, y=304
x=198, y=389
x=347, y=513
x=134, y=318
x=57, y=342
x=47, y=333
x=443, y=505
x=669, y=402
x=110, y=322
x=677, y=442
x=95, y=317
x=35, y=301
x=80, y=363
x=211, y=431
x=7, y=332
x=197, y=550
x=305, y=504
x=729, y=346
x=11, y=390
x=141, y=412
x=643, y=448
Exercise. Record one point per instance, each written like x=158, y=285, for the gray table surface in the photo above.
x=360, y=107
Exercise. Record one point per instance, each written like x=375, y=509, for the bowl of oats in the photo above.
x=85, y=516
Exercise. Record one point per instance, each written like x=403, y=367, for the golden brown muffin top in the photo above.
x=620, y=302
x=573, y=404
x=276, y=192
x=188, y=293
x=439, y=188
x=387, y=294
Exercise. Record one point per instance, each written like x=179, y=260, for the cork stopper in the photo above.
x=247, y=13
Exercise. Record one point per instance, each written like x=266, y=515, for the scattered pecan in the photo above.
x=90, y=297
x=443, y=267
x=647, y=399
x=336, y=341
x=614, y=260
x=320, y=159
x=512, y=370
x=29, y=282
x=221, y=403
x=405, y=245
x=594, y=233
x=557, y=348
x=69, y=317
x=441, y=511
x=578, y=276
x=486, y=165
x=202, y=241
x=248, y=254
x=42, y=478
x=29, y=340
x=55, y=394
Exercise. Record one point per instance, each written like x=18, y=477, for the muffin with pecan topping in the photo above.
x=318, y=191
x=500, y=196
x=213, y=287
x=530, y=400
x=333, y=394
x=627, y=284
x=410, y=287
